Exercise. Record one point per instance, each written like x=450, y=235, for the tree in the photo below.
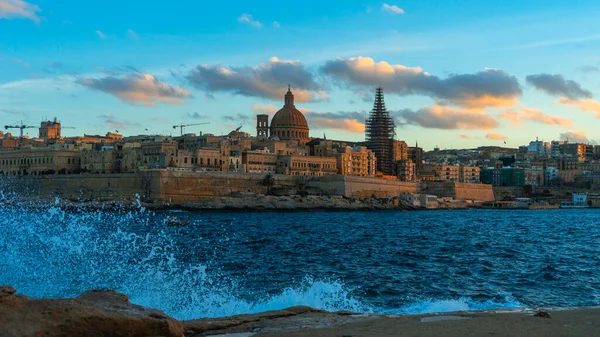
x=268, y=181
x=528, y=190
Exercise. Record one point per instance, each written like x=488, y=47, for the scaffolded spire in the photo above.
x=380, y=134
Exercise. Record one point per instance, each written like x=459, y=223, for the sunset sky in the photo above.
x=456, y=74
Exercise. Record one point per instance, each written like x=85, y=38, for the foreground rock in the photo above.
x=93, y=313
x=108, y=314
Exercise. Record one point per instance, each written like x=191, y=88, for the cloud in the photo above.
x=23, y=63
x=18, y=9
x=239, y=119
x=196, y=115
x=114, y=123
x=276, y=24
x=138, y=89
x=56, y=65
x=392, y=9
x=488, y=88
x=589, y=104
x=576, y=137
x=495, y=136
x=557, y=85
x=341, y=120
x=265, y=109
x=534, y=115
x=266, y=80
x=100, y=34
x=589, y=69
x=247, y=18
x=463, y=136
x=132, y=34
x=447, y=118
x=160, y=119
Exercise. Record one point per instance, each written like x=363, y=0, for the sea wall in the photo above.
x=82, y=186
x=182, y=186
x=166, y=185
x=361, y=187
x=460, y=191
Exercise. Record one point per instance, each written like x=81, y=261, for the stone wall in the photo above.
x=184, y=186
x=350, y=186
x=82, y=186
x=181, y=186
x=460, y=191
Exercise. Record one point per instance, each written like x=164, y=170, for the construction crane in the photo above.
x=21, y=127
x=181, y=126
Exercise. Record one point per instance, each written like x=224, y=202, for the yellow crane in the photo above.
x=181, y=126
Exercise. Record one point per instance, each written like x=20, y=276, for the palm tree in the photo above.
x=268, y=181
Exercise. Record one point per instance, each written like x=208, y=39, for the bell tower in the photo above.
x=262, y=126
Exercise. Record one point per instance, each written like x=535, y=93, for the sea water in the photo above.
x=376, y=262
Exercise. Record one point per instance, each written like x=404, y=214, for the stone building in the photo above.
x=103, y=161
x=260, y=161
x=400, y=150
x=50, y=129
x=406, y=170
x=38, y=161
x=469, y=174
x=306, y=165
x=356, y=161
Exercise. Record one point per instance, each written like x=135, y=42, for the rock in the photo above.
x=7, y=291
x=93, y=313
x=542, y=314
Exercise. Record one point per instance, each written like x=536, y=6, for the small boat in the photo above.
x=176, y=222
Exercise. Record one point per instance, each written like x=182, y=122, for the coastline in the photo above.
x=108, y=313
x=258, y=203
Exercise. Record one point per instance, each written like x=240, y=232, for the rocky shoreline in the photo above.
x=242, y=203
x=108, y=313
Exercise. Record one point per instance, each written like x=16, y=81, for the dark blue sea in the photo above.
x=383, y=262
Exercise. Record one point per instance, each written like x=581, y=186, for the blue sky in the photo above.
x=456, y=74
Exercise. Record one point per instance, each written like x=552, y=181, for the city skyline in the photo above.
x=454, y=77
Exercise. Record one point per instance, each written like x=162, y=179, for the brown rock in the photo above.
x=7, y=291
x=542, y=314
x=93, y=313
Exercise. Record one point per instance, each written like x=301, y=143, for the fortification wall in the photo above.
x=460, y=191
x=350, y=186
x=181, y=186
x=84, y=186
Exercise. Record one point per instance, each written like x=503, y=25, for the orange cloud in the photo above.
x=444, y=117
x=495, y=136
x=588, y=104
x=487, y=88
x=348, y=125
x=487, y=101
x=463, y=136
x=535, y=115
x=265, y=109
x=342, y=120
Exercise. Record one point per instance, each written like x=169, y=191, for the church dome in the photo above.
x=289, y=116
x=289, y=122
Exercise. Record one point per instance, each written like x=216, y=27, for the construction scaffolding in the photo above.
x=380, y=134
